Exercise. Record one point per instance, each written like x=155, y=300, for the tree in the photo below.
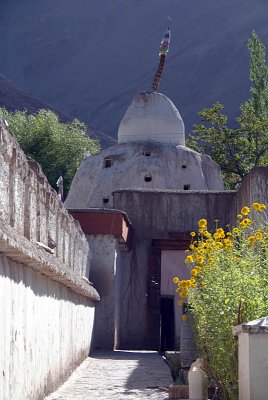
x=258, y=76
x=238, y=150
x=57, y=147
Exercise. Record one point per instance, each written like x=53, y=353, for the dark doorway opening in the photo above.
x=167, y=324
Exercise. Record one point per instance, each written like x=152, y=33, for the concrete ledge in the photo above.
x=253, y=327
x=24, y=251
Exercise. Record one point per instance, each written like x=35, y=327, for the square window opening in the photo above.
x=186, y=187
x=147, y=153
x=105, y=200
x=147, y=178
x=108, y=162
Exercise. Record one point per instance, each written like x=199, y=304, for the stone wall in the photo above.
x=156, y=215
x=47, y=305
x=254, y=188
x=31, y=206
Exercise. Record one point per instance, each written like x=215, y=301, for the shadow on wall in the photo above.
x=39, y=284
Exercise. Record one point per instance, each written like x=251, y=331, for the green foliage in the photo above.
x=258, y=76
x=238, y=150
x=57, y=147
x=229, y=286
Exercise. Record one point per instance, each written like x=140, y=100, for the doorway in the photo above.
x=167, y=330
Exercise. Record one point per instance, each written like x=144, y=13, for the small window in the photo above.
x=107, y=162
x=147, y=153
x=105, y=200
x=147, y=178
x=184, y=166
x=186, y=187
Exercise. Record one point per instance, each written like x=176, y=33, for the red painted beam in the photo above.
x=104, y=223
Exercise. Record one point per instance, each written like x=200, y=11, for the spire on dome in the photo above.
x=164, y=49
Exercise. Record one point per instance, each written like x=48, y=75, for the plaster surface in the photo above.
x=152, y=116
x=46, y=331
x=103, y=273
x=167, y=167
x=46, y=305
x=253, y=366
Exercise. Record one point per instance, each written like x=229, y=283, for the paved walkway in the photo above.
x=132, y=375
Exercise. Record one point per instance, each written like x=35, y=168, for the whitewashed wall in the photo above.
x=46, y=305
x=45, y=331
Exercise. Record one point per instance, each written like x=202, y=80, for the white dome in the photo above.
x=152, y=116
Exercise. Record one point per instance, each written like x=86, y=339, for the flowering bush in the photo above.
x=228, y=286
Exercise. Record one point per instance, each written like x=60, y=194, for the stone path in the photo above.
x=132, y=375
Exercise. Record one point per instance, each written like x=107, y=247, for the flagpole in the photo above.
x=164, y=48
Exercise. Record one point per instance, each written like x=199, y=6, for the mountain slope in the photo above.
x=89, y=58
x=14, y=98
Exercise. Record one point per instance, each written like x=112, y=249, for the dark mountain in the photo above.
x=14, y=98
x=90, y=57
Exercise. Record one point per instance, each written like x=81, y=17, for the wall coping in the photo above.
x=168, y=191
x=253, y=327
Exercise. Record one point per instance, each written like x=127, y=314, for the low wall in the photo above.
x=47, y=304
x=32, y=208
x=254, y=188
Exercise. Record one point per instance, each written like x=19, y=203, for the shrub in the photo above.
x=228, y=286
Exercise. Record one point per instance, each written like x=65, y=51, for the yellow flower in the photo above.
x=207, y=234
x=235, y=230
x=258, y=235
x=256, y=206
x=191, y=246
x=251, y=240
x=194, y=272
x=183, y=294
x=228, y=234
x=200, y=260
x=211, y=260
x=175, y=279
x=184, y=317
x=180, y=302
x=239, y=216
x=245, y=223
x=202, y=223
x=189, y=259
x=192, y=234
x=262, y=207
x=245, y=210
x=193, y=282
x=187, y=251
x=220, y=233
x=219, y=245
